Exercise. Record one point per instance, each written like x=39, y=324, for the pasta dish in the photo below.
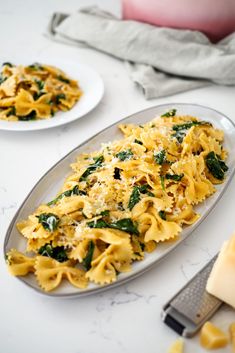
x=122, y=201
x=35, y=91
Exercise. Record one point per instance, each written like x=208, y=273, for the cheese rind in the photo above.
x=211, y=337
x=221, y=282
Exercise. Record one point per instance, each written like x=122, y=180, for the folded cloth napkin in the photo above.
x=162, y=61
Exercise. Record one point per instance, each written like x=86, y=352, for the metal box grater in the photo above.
x=192, y=305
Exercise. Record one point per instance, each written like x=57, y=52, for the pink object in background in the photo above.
x=215, y=18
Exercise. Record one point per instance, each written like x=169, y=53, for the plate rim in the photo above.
x=132, y=276
x=30, y=128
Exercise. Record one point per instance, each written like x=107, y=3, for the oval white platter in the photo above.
x=49, y=184
x=90, y=82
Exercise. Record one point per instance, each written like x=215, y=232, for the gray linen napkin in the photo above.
x=162, y=61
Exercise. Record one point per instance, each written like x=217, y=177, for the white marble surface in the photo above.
x=125, y=319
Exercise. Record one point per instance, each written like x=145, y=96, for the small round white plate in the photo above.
x=90, y=82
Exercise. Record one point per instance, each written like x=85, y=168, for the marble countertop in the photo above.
x=126, y=318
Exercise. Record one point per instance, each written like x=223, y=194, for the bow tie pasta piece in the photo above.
x=200, y=140
x=191, y=143
x=131, y=166
x=114, y=255
x=87, y=250
x=49, y=273
x=137, y=247
x=34, y=244
x=65, y=236
x=107, y=235
x=17, y=70
x=80, y=250
x=158, y=229
x=53, y=86
x=70, y=219
x=117, y=257
x=73, y=204
x=19, y=264
x=42, y=106
x=72, y=90
x=7, y=102
x=165, y=203
x=102, y=272
x=151, y=245
x=68, y=103
x=54, y=71
x=32, y=229
x=129, y=129
x=197, y=186
x=25, y=104
x=76, y=277
x=209, y=144
x=7, y=114
x=183, y=213
x=8, y=70
x=217, y=134
x=8, y=87
x=148, y=141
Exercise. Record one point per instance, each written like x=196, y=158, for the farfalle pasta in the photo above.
x=122, y=201
x=35, y=91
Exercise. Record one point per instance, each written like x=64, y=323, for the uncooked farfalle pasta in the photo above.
x=35, y=92
x=122, y=201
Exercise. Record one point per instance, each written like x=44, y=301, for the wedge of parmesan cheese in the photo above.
x=221, y=282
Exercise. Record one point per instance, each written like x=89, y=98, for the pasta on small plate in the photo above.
x=137, y=193
x=42, y=94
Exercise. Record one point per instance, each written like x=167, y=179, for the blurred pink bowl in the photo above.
x=215, y=18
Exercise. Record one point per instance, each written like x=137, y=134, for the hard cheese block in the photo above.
x=221, y=282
